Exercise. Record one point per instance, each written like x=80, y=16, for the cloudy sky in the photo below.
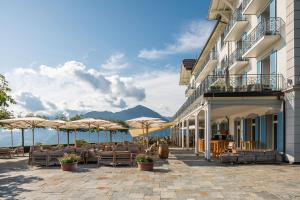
x=76, y=55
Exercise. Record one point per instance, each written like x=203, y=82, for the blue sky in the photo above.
x=117, y=51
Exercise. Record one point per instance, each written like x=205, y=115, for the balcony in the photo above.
x=190, y=89
x=235, y=27
x=263, y=36
x=236, y=61
x=235, y=85
x=210, y=62
x=252, y=7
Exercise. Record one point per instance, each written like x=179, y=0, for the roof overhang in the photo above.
x=221, y=8
x=185, y=75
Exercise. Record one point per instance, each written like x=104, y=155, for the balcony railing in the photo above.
x=236, y=56
x=269, y=26
x=213, y=55
x=245, y=3
x=190, y=87
x=237, y=16
x=235, y=84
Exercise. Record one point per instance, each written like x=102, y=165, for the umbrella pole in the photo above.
x=22, y=137
x=75, y=132
x=68, y=137
x=110, y=136
x=98, y=136
x=33, y=137
x=57, y=136
x=89, y=134
x=147, y=139
x=12, y=139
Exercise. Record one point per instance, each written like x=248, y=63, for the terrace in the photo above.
x=182, y=176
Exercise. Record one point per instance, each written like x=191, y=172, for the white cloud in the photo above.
x=70, y=86
x=193, y=37
x=115, y=62
x=74, y=88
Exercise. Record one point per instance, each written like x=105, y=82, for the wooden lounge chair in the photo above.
x=19, y=151
x=6, y=153
x=91, y=156
x=123, y=158
x=40, y=158
x=106, y=158
x=54, y=156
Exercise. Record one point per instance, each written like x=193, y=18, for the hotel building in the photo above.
x=244, y=86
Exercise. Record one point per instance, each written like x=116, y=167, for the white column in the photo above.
x=205, y=133
x=208, y=131
x=187, y=134
x=196, y=133
x=179, y=135
x=242, y=130
x=182, y=135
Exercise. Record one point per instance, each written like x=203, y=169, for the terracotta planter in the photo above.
x=146, y=166
x=163, y=151
x=68, y=166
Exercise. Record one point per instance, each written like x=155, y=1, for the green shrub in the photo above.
x=144, y=159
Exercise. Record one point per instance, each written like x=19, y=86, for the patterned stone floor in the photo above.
x=182, y=176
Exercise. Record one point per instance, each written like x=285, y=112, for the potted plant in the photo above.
x=145, y=162
x=69, y=162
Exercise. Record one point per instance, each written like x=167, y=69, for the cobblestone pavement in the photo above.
x=182, y=176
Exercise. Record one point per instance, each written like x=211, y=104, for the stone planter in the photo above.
x=163, y=151
x=68, y=166
x=146, y=166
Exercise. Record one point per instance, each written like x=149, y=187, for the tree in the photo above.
x=5, y=98
x=76, y=117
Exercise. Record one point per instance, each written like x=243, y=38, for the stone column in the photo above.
x=182, y=134
x=187, y=134
x=207, y=132
x=196, y=133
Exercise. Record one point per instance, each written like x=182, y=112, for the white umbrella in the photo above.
x=93, y=123
x=145, y=123
x=26, y=122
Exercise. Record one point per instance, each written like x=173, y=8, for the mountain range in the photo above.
x=137, y=111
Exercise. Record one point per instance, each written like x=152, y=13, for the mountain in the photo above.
x=137, y=111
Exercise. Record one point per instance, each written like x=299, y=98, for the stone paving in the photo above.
x=182, y=176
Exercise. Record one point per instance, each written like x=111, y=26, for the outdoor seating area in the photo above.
x=11, y=152
x=247, y=152
x=105, y=153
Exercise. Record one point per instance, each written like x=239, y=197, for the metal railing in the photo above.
x=267, y=26
x=237, y=55
x=213, y=55
x=233, y=84
x=245, y=3
x=190, y=87
x=237, y=16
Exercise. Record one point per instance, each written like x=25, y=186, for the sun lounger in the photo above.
x=106, y=158
x=91, y=156
x=19, y=151
x=123, y=158
x=40, y=158
x=54, y=156
x=6, y=153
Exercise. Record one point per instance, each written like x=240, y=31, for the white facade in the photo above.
x=247, y=76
